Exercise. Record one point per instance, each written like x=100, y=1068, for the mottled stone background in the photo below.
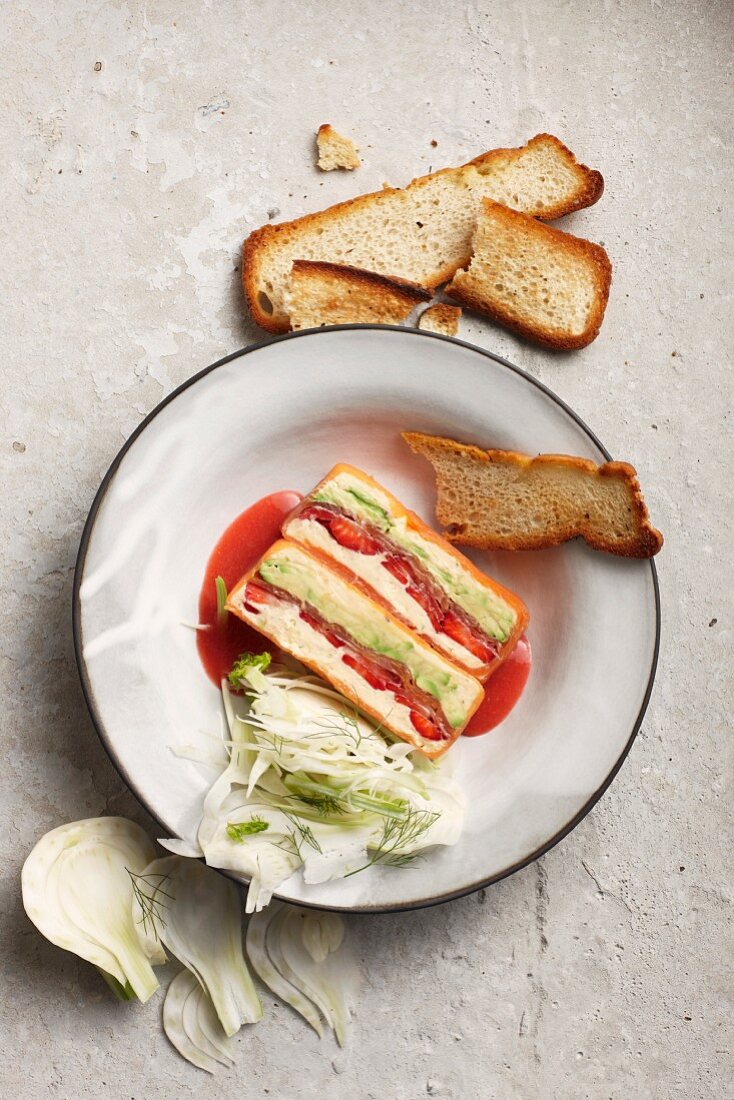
x=139, y=143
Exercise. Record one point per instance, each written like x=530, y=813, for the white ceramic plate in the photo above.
x=279, y=416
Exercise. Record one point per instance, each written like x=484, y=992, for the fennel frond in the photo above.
x=151, y=904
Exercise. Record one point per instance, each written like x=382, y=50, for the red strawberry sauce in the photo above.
x=243, y=543
x=502, y=690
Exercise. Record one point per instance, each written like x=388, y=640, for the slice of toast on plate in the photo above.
x=502, y=500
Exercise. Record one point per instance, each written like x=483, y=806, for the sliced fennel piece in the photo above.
x=237, y=728
x=199, y=919
x=294, y=952
x=193, y=1010
x=185, y=1010
x=267, y=971
x=320, y=982
x=311, y=767
x=321, y=933
x=78, y=889
x=96, y=881
x=221, y=589
x=97, y=953
x=212, y=1029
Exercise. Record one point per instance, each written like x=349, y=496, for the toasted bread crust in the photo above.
x=588, y=190
x=324, y=293
x=413, y=292
x=645, y=543
x=593, y=254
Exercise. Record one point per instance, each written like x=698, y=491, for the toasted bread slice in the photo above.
x=335, y=151
x=422, y=232
x=440, y=318
x=547, y=285
x=501, y=500
x=322, y=293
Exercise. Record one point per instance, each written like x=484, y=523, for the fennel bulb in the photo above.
x=78, y=886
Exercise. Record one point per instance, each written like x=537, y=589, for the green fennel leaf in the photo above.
x=238, y=830
x=246, y=661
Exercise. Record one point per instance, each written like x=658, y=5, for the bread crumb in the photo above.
x=335, y=151
x=440, y=318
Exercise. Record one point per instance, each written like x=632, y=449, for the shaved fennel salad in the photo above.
x=312, y=784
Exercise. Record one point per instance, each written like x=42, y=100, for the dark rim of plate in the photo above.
x=437, y=899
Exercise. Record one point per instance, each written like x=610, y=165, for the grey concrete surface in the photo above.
x=140, y=142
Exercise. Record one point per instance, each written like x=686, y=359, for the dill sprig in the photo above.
x=151, y=904
x=324, y=804
x=349, y=726
x=399, y=833
x=305, y=833
x=273, y=742
x=327, y=800
x=295, y=838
